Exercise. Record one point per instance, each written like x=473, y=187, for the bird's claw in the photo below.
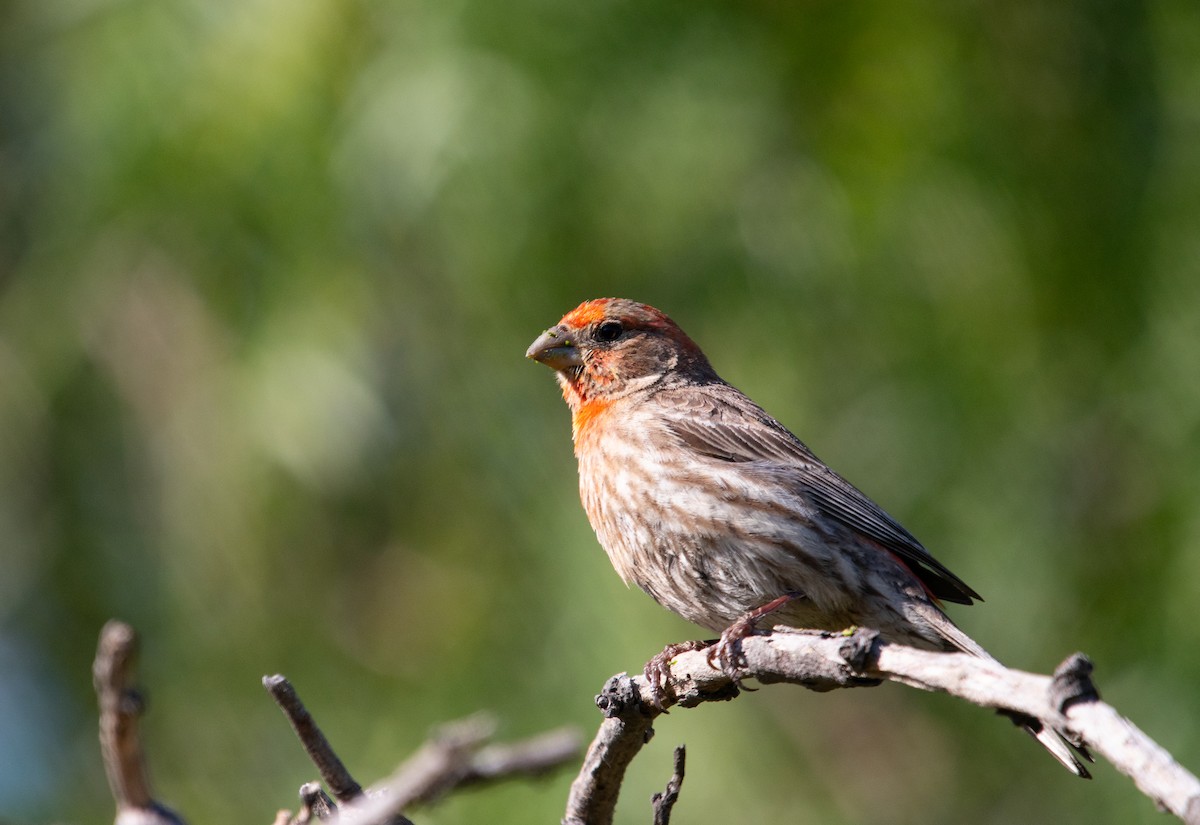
x=658, y=672
x=726, y=654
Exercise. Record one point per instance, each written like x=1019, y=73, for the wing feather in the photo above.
x=725, y=425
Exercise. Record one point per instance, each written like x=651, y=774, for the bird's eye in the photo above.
x=608, y=331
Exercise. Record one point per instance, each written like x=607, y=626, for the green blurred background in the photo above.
x=268, y=269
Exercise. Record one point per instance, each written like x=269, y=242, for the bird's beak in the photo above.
x=555, y=349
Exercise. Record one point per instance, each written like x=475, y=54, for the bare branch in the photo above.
x=333, y=772
x=438, y=764
x=314, y=803
x=665, y=801
x=626, y=727
x=454, y=757
x=822, y=662
x=120, y=745
x=531, y=757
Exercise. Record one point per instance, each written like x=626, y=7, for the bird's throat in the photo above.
x=587, y=398
x=583, y=419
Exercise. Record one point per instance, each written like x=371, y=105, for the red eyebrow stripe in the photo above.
x=587, y=313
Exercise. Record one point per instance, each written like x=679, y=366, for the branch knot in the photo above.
x=1072, y=683
x=619, y=696
x=860, y=650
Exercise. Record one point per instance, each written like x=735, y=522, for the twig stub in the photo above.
x=665, y=801
x=120, y=745
x=315, y=803
x=333, y=773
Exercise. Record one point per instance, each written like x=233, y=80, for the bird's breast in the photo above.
x=692, y=533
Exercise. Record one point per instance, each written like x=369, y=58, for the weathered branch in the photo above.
x=665, y=801
x=821, y=662
x=532, y=757
x=453, y=758
x=314, y=803
x=456, y=756
x=626, y=727
x=333, y=772
x=120, y=745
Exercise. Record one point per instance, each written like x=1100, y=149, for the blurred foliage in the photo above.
x=268, y=269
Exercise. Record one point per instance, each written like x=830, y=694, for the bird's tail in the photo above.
x=1053, y=741
x=1050, y=739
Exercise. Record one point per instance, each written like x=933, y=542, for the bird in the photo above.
x=721, y=514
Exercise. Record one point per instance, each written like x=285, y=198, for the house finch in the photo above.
x=722, y=515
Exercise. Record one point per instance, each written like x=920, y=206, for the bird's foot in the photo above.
x=658, y=671
x=726, y=655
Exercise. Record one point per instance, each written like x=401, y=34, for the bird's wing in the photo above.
x=720, y=422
